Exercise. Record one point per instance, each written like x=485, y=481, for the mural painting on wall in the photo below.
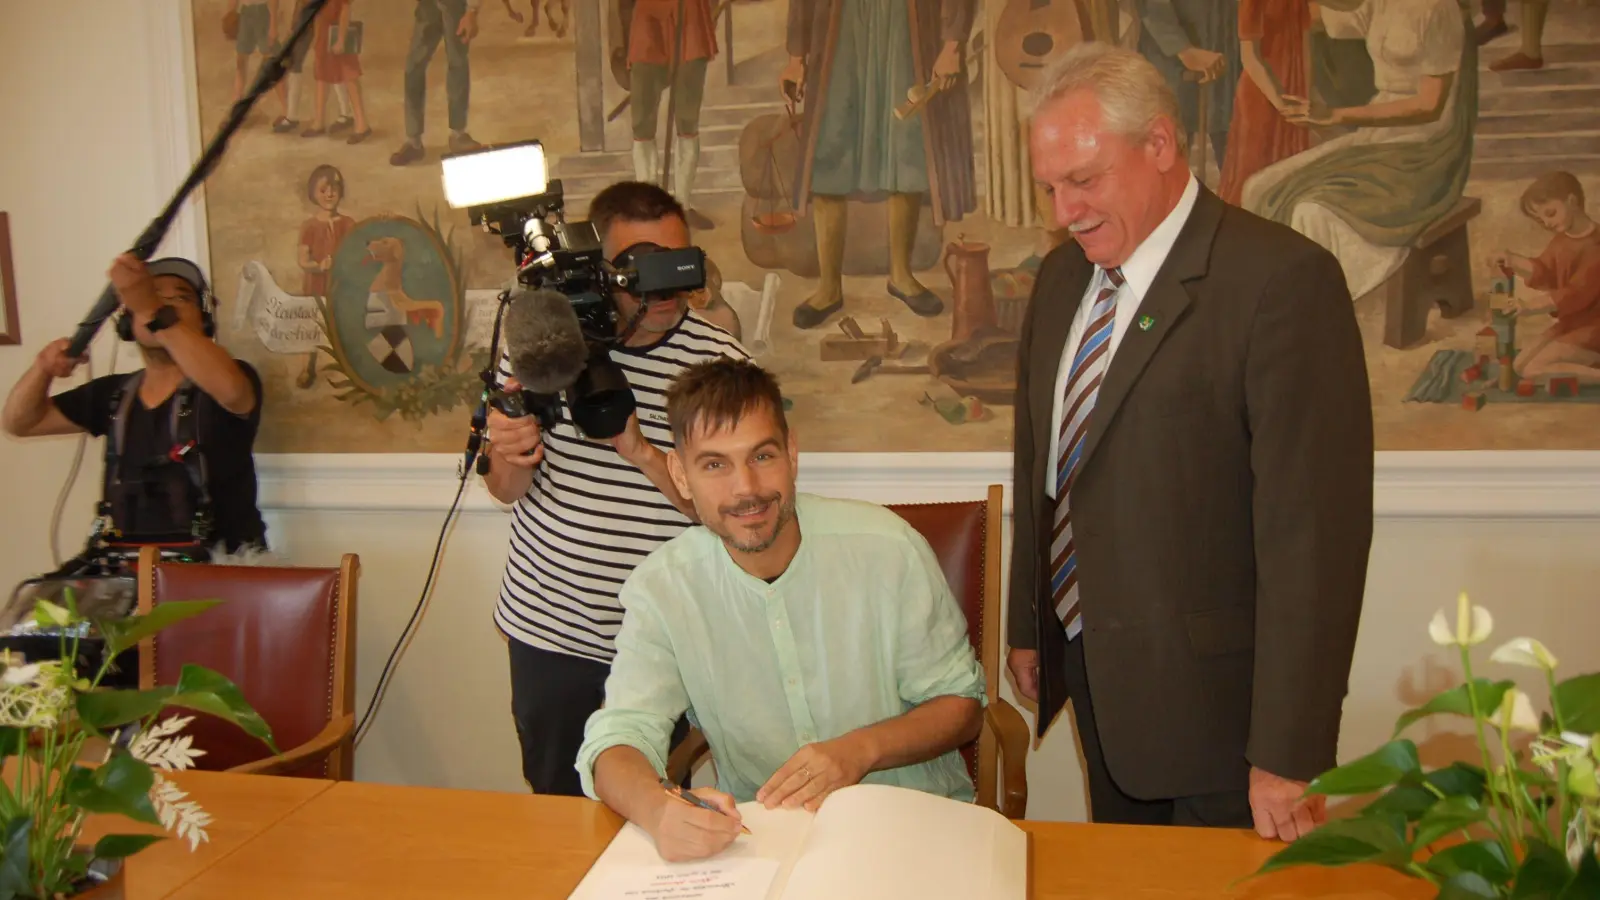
x=857, y=171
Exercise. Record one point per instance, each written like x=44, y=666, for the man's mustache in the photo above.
x=751, y=505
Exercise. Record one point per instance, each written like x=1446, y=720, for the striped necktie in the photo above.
x=1083, y=385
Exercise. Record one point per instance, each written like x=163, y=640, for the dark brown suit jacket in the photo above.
x=1222, y=510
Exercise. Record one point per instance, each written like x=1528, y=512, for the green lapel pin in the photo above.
x=1147, y=322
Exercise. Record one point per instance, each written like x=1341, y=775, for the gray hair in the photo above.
x=1132, y=92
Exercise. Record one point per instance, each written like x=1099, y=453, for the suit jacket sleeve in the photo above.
x=1310, y=416
x=1022, y=623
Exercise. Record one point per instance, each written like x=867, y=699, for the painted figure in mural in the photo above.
x=652, y=30
x=558, y=23
x=1196, y=39
x=1368, y=194
x=336, y=60
x=253, y=27
x=319, y=238
x=455, y=23
x=1531, y=55
x=852, y=62
x=294, y=82
x=1272, y=54
x=1569, y=272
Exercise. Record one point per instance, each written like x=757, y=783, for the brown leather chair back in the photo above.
x=284, y=635
x=965, y=537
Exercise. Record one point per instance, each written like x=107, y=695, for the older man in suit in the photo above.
x=1193, y=473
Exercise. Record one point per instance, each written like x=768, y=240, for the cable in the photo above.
x=474, y=445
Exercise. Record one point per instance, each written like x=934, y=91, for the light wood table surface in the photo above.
x=357, y=840
x=241, y=807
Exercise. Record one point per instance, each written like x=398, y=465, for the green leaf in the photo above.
x=1456, y=702
x=1412, y=798
x=1586, y=884
x=1543, y=874
x=1377, y=770
x=1486, y=858
x=1450, y=814
x=121, y=787
x=14, y=868
x=1341, y=842
x=118, y=846
x=107, y=708
x=199, y=688
x=12, y=741
x=1579, y=700
x=123, y=633
x=1466, y=886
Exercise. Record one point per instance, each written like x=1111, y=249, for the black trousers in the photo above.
x=1107, y=802
x=552, y=697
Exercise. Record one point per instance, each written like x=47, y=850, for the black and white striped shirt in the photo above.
x=590, y=516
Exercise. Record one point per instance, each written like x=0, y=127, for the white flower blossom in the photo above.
x=19, y=675
x=1516, y=713
x=163, y=748
x=1524, y=651
x=1473, y=625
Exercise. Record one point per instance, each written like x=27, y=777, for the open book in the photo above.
x=870, y=842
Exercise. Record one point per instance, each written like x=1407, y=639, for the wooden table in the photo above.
x=357, y=840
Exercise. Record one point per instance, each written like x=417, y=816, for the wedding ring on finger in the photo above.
x=805, y=773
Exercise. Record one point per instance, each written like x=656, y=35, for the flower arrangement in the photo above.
x=48, y=715
x=1523, y=820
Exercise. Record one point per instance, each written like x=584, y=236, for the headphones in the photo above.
x=191, y=274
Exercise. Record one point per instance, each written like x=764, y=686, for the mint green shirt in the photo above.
x=860, y=628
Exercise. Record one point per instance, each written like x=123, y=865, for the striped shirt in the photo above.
x=590, y=516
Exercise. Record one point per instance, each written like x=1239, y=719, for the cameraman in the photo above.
x=178, y=432
x=586, y=512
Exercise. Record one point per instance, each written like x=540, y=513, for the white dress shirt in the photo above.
x=1138, y=273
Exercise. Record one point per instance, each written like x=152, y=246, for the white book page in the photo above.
x=755, y=866
x=874, y=842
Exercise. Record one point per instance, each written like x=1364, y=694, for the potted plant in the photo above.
x=50, y=714
x=1521, y=821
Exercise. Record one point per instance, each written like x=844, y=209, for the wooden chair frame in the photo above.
x=336, y=741
x=1002, y=780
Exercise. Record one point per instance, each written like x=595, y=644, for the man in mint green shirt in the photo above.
x=815, y=640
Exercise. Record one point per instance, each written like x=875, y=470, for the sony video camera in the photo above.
x=505, y=190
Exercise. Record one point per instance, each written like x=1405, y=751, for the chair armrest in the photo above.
x=685, y=755
x=315, y=749
x=1011, y=733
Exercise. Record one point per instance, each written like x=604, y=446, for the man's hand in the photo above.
x=631, y=444
x=684, y=832
x=948, y=66
x=815, y=771
x=468, y=29
x=1209, y=63
x=1299, y=111
x=54, y=361
x=517, y=442
x=135, y=288
x=1024, y=666
x=1281, y=808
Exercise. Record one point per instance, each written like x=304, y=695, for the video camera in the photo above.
x=505, y=191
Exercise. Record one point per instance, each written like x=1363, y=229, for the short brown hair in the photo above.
x=1551, y=186
x=633, y=201
x=710, y=396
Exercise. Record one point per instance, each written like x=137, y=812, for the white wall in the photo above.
x=95, y=149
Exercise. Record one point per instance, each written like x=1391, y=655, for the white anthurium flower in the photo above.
x=20, y=675
x=1516, y=713
x=1473, y=625
x=1524, y=651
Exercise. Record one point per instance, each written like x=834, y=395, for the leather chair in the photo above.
x=966, y=539
x=285, y=636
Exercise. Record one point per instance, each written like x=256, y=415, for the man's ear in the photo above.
x=680, y=476
x=793, y=442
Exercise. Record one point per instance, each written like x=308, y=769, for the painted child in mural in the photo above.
x=851, y=62
x=253, y=27
x=293, y=84
x=1568, y=271
x=319, y=238
x=1368, y=194
x=1531, y=54
x=651, y=31
x=1272, y=53
x=336, y=60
